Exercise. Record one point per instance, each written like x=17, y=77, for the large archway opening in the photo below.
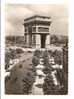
x=43, y=40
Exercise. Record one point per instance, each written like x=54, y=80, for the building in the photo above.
x=37, y=31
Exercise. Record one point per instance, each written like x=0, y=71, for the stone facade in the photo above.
x=37, y=31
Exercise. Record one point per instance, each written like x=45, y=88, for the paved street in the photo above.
x=15, y=85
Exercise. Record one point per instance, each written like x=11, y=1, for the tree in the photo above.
x=54, y=39
x=7, y=60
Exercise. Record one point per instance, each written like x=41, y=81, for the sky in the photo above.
x=16, y=13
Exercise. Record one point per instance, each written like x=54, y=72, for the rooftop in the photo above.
x=37, y=19
x=37, y=16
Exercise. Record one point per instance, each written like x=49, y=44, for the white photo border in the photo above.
x=71, y=47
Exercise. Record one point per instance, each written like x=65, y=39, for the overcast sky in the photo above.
x=15, y=15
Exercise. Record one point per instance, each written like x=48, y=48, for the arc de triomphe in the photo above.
x=37, y=31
